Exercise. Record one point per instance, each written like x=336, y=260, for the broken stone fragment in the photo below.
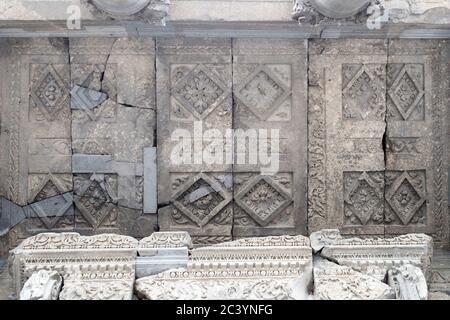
x=408, y=282
x=181, y=284
x=109, y=257
x=162, y=251
x=84, y=98
x=97, y=290
x=335, y=282
x=375, y=256
x=275, y=267
x=42, y=285
x=324, y=237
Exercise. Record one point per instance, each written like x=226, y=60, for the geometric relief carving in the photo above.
x=262, y=92
x=201, y=199
x=269, y=90
x=201, y=205
x=194, y=95
x=405, y=197
x=363, y=91
x=363, y=198
x=93, y=198
x=263, y=199
x=49, y=91
x=405, y=91
x=200, y=91
x=45, y=186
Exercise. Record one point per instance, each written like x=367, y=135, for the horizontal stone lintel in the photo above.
x=36, y=29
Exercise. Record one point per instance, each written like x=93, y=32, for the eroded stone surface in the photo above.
x=335, y=282
x=181, y=284
x=408, y=282
x=276, y=267
x=322, y=238
x=97, y=290
x=76, y=258
x=42, y=285
x=375, y=256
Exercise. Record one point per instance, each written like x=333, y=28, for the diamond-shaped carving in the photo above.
x=200, y=92
x=263, y=200
x=262, y=93
x=93, y=202
x=404, y=198
x=48, y=222
x=50, y=187
x=363, y=98
x=406, y=93
x=50, y=93
x=364, y=198
x=201, y=199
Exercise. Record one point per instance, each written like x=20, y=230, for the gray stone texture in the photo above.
x=363, y=136
x=377, y=149
x=186, y=67
x=269, y=92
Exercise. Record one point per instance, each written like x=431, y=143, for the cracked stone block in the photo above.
x=36, y=120
x=361, y=92
x=336, y=282
x=347, y=104
x=42, y=285
x=408, y=282
x=84, y=98
x=375, y=256
x=322, y=238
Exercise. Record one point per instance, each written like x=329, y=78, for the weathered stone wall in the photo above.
x=363, y=136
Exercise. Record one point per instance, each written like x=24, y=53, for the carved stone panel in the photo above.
x=109, y=139
x=194, y=117
x=377, y=130
x=347, y=94
x=269, y=90
x=416, y=177
x=35, y=121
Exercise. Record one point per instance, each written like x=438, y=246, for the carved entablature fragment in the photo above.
x=374, y=256
x=278, y=267
x=109, y=259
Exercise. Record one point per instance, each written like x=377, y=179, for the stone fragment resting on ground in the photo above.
x=106, y=259
x=278, y=267
x=42, y=285
x=409, y=282
x=335, y=282
x=375, y=256
x=106, y=266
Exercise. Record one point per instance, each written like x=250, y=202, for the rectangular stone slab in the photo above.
x=150, y=181
x=270, y=100
x=186, y=68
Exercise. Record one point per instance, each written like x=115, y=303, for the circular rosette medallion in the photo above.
x=339, y=8
x=121, y=7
